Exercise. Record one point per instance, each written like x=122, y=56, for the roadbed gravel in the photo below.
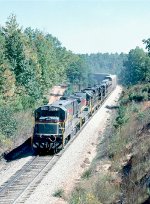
x=69, y=168
x=7, y=169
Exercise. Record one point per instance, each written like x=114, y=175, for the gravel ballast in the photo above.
x=67, y=171
x=8, y=169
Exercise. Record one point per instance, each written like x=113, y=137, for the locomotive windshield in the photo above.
x=46, y=128
x=46, y=111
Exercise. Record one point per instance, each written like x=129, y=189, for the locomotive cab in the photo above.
x=49, y=127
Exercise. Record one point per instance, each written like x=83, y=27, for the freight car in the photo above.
x=56, y=123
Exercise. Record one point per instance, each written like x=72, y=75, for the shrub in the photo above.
x=86, y=174
x=105, y=190
x=138, y=97
x=78, y=195
x=5, y=142
x=8, y=122
x=45, y=100
x=122, y=117
x=59, y=193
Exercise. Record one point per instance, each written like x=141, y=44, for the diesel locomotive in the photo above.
x=56, y=123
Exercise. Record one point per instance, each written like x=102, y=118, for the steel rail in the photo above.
x=22, y=184
x=17, y=184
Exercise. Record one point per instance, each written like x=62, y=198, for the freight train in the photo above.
x=56, y=123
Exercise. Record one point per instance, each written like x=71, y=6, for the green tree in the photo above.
x=136, y=67
x=7, y=78
x=105, y=63
x=14, y=45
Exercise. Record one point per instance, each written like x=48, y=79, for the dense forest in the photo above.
x=130, y=68
x=31, y=62
x=106, y=63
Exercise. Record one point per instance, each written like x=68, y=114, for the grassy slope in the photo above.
x=121, y=169
x=22, y=130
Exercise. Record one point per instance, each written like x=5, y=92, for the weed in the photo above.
x=78, y=195
x=86, y=174
x=134, y=107
x=59, y=193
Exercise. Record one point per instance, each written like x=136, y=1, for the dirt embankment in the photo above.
x=120, y=172
x=56, y=93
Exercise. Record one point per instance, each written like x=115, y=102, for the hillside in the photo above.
x=120, y=171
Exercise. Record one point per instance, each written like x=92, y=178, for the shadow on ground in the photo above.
x=24, y=150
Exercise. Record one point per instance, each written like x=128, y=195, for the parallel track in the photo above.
x=22, y=184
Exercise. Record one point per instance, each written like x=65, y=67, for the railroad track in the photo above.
x=21, y=185
x=12, y=190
